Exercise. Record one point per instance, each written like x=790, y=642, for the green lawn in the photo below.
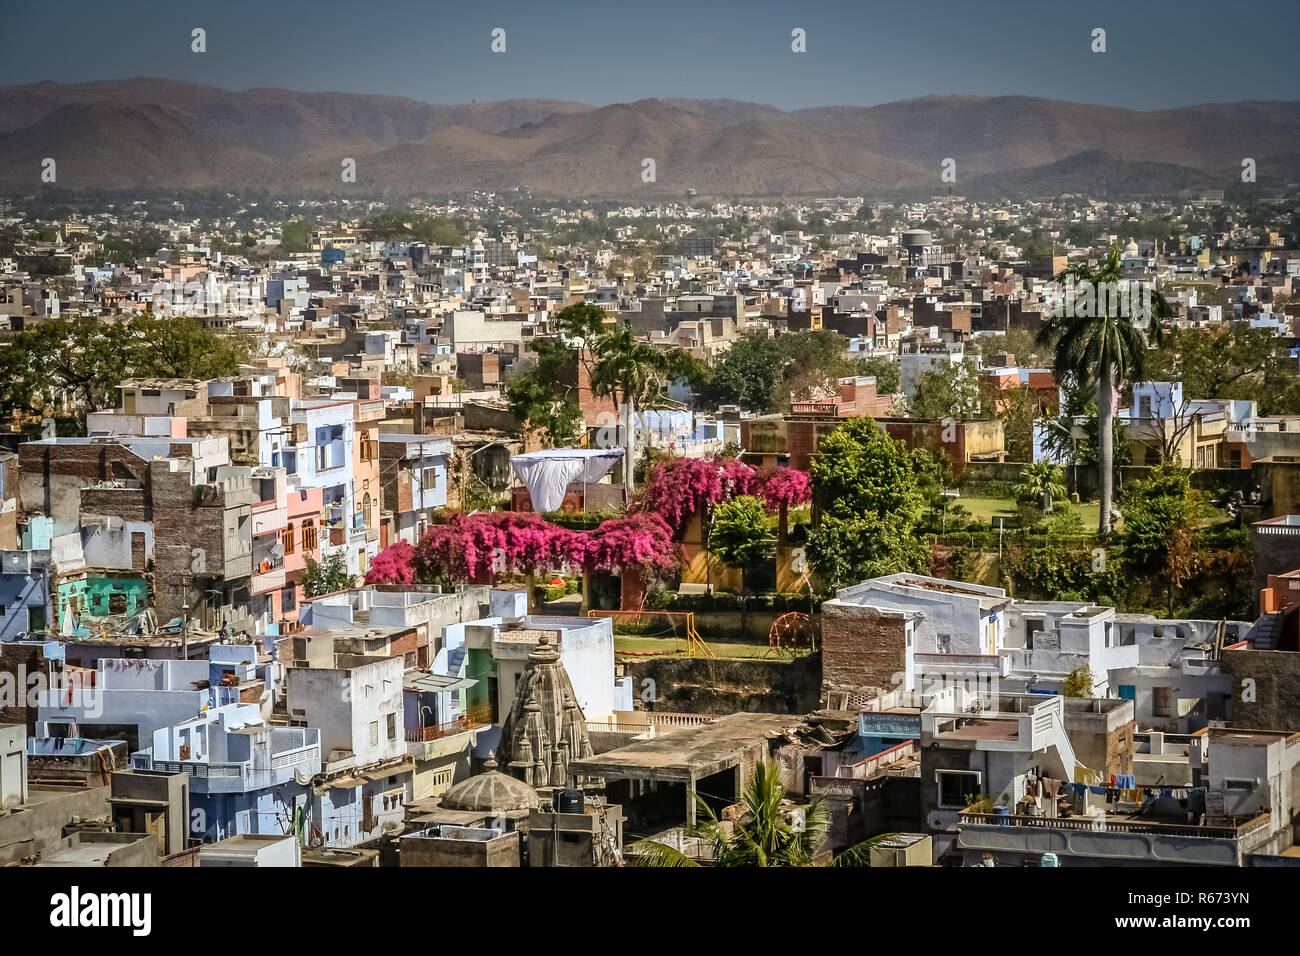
x=670, y=646
x=987, y=510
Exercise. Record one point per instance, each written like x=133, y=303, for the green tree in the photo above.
x=399, y=226
x=758, y=371
x=1102, y=351
x=1237, y=362
x=538, y=399
x=1078, y=683
x=885, y=372
x=86, y=358
x=181, y=347
x=688, y=369
x=859, y=469
x=1017, y=409
x=1040, y=484
x=83, y=356
x=295, y=236
x=1163, y=515
x=949, y=392
x=739, y=534
x=765, y=834
x=632, y=373
x=846, y=551
x=538, y=396
x=326, y=577
x=869, y=493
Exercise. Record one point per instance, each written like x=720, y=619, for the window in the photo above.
x=287, y=538
x=288, y=599
x=374, y=733
x=308, y=536
x=392, y=726
x=1238, y=784
x=1161, y=702
x=958, y=789
x=429, y=479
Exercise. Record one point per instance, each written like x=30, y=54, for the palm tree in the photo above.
x=629, y=371
x=1102, y=351
x=1040, y=483
x=764, y=836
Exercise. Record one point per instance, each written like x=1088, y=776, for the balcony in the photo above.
x=1116, y=837
x=473, y=719
x=236, y=777
x=267, y=579
x=829, y=408
x=983, y=665
x=1288, y=525
x=269, y=519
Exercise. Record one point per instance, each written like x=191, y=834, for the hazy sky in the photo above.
x=859, y=52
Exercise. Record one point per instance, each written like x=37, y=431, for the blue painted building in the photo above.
x=246, y=776
x=24, y=598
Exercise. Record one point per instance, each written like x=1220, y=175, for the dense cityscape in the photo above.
x=526, y=484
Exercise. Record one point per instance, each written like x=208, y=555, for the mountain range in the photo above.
x=153, y=133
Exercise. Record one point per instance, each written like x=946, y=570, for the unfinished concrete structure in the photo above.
x=656, y=781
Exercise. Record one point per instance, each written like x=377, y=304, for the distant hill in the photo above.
x=1096, y=173
x=148, y=133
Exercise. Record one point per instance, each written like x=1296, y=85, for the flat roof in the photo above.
x=690, y=753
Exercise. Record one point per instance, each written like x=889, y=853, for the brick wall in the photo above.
x=862, y=648
x=1265, y=688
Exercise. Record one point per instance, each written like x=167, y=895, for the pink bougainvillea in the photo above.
x=737, y=477
x=679, y=488
x=473, y=547
x=477, y=547
x=784, y=486
x=642, y=541
x=394, y=565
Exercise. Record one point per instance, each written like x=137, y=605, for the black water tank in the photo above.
x=568, y=801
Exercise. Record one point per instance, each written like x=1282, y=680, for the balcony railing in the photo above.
x=271, y=579
x=471, y=720
x=1105, y=825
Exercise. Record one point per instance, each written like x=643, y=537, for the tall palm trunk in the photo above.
x=629, y=442
x=1106, y=453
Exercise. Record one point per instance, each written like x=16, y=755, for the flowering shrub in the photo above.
x=678, y=488
x=643, y=541
x=394, y=565
x=784, y=486
x=475, y=547
x=472, y=547
x=738, y=478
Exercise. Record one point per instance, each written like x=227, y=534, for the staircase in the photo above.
x=1263, y=636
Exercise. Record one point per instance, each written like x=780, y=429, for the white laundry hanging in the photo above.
x=546, y=474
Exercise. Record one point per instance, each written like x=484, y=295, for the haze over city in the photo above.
x=635, y=437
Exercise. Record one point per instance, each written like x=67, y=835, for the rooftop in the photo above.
x=690, y=753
